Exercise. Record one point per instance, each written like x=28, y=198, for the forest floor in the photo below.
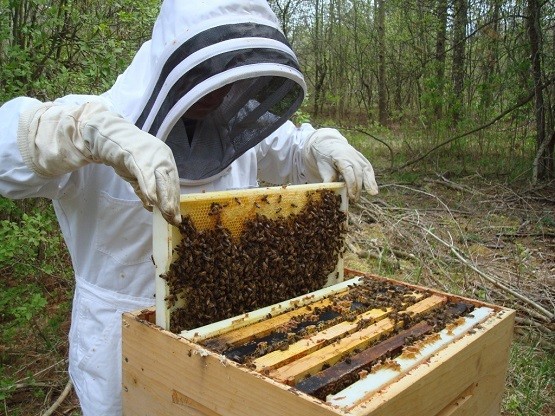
x=468, y=236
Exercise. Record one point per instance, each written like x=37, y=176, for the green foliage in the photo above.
x=32, y=259
x=24, y=241
x=9, y=209
x=302, y=115
x=31, y=250
x=52, y=48
x=19, y=305
x=21, y=299
x=531, y=381
x=7, y=385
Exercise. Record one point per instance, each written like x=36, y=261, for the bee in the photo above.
x=284, y=346
x=171, y=298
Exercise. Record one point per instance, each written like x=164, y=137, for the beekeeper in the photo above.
x=203, y=107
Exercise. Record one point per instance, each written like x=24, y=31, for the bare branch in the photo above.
x=60, y=399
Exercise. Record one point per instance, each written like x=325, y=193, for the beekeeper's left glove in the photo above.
x=57, y=139
x=328, y=155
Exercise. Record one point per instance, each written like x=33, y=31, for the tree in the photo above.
x=441, y=13
x=382, y=86
x=51, y=48
x=543, y=163
x=459, y=46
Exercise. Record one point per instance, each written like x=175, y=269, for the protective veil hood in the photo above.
x=228, y=58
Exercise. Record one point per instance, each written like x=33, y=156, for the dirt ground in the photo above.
x=468, y=236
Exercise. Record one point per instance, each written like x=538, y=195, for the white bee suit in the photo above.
x=105, y=226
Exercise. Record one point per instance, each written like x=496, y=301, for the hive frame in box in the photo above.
x=242, y=203
x=165, y=373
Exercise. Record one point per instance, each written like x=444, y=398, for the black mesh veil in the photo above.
x=264, y=104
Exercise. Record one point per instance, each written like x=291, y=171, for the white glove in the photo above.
x=327, y=155
x=58, y=139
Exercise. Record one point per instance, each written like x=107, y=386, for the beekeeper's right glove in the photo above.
x=57, y=139
x=328, y=155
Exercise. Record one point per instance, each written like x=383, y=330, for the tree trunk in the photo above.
x=440, y=57
x=459, y=48
x=382, y=91
x=320, y=67
x=283, y=12
x=543, y=163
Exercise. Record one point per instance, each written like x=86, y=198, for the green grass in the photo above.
x=531, y=380
x=506, y=154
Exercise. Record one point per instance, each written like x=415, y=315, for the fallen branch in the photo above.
x=541, y=342
x=549, y=316
x=60, y=399
x=64, y=361
x=451, y=185
x=391, y=155
x=537, y=325
x=523, y=235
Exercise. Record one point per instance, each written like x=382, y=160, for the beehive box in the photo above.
x=458, y=370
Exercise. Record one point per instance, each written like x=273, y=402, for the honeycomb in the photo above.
x=243, y=250
x=233, y=209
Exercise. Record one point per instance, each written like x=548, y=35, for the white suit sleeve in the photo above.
x=280, y=156
x=17, y=180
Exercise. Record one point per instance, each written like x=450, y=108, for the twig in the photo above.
x=541, y=342
x=549, y=315
x=391, y=156
x=43, y=370
x=352, y=247
x=538, y=326
x=22, y=386
x=452, y=185
x=525, y=234
x=60, y=399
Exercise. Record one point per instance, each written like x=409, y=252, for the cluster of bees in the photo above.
x=217, y=276
x=369, y=294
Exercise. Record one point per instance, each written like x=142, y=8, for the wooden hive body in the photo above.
x=458, y=371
